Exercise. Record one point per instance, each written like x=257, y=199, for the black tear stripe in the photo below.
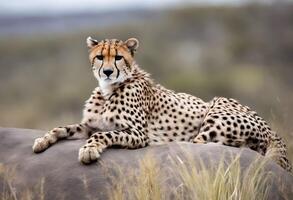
x=118, y=72
x=101, y=68
x=102, y=60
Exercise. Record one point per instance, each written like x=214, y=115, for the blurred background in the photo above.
x=234, y=48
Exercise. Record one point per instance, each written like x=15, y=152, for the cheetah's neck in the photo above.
x=107, y=88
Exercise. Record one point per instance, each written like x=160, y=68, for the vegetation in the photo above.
x=194, y=181
x=9, y=192
x=190, y=180
x=240, y=52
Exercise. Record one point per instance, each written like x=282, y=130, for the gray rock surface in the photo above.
x=64, y=177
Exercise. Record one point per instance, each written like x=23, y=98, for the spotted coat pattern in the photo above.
x=132, y=111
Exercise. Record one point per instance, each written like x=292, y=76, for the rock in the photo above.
x=57, y=174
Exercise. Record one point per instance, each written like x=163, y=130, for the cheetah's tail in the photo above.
x=277, y=151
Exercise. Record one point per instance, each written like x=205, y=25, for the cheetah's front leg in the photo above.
x=129, y=138
x=52, y=136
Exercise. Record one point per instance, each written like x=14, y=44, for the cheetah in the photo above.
x=130, y=110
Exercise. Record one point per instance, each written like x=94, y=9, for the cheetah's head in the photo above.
x=112, y=60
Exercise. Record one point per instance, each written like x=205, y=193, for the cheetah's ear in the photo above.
x=132, y=44
x=91, y=42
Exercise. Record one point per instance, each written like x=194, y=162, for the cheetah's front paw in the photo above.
x=48, y=139
x=40, y=144
x=89, y=153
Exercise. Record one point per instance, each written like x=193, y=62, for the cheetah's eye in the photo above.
x=118, y=57
x=100, y=57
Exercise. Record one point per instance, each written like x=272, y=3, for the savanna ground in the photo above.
x=193, y=180
x=239, y=52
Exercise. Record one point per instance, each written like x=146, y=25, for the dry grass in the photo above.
x=194, y=181
x=8, y=176
x=9, y=192
x=145, y=182
x=221, y=181
x=181, y=178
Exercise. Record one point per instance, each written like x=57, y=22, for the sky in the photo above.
x=68, y=6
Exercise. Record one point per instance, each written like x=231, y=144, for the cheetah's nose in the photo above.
x=108, y=72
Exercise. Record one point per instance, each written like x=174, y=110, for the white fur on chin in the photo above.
x=106, y=86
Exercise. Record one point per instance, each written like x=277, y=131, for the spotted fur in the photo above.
x=128, y=109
